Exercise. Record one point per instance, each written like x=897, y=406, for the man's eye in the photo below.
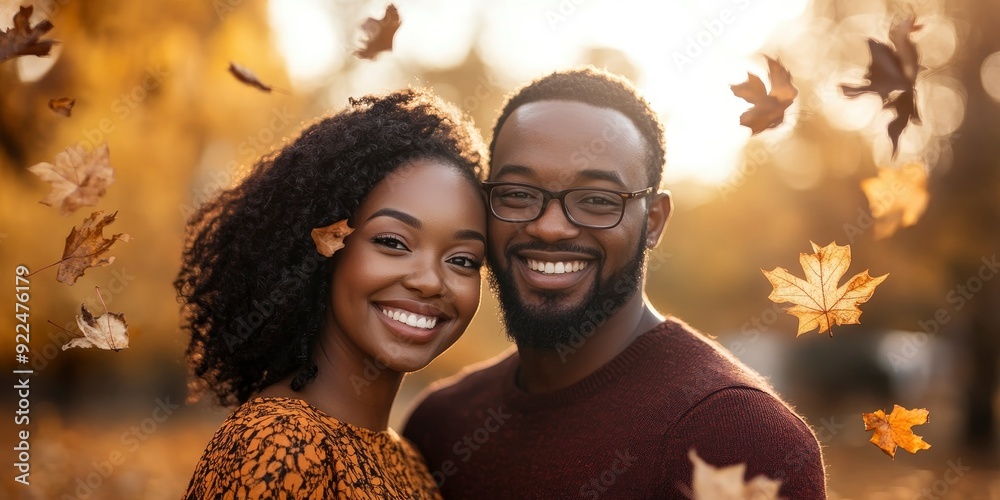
x=518, y=195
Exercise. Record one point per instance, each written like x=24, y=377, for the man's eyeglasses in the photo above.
x=593, y=208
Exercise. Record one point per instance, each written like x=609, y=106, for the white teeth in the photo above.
x=556, y=267
x=411, y=319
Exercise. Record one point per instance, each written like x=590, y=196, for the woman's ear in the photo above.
x=660, y=207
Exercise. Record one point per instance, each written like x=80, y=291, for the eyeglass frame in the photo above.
x=547, y=196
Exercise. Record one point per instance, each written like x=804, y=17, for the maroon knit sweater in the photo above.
x=624, y=431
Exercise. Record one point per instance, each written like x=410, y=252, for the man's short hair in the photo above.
x=596, y=87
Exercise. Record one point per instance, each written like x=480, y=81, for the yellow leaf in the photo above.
x=726, y=483
x=894, y=430
x=78, y=178
x=897, y=197
x=818, y=301
x=329, y=239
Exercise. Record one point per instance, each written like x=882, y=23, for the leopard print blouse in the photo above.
x=284, y=448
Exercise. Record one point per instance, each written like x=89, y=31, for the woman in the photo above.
x=311, y=339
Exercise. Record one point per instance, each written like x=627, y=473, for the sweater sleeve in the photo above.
x=744, y=425
x=281, y=457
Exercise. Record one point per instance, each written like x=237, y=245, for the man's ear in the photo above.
x=660, y=207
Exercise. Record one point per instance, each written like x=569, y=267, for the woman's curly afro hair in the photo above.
x=253, y=288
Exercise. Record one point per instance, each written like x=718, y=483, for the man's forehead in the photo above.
x=571, y=114
x=570, y=136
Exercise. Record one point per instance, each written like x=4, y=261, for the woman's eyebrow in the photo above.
x=469, y=234
x=405, y=218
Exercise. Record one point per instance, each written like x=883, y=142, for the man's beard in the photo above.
x=549, y=325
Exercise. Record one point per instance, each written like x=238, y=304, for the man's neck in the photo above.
x=543, y=370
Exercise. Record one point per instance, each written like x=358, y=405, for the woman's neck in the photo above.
x=349, y=385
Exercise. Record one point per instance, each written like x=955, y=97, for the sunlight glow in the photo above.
x=307, y=38
x=686, y=54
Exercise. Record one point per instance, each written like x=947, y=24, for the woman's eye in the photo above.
x=467, y=262
x=389, y=242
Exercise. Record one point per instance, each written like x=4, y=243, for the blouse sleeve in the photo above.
x=273, y=456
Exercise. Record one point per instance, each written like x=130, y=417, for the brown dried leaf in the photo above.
x=819, y=302
x=23, y=39
x=329, y=239
x=78, y=178
x=897, y=197
x=892, y=74
x=107, y=331
x=894, y=430
x=726, y=483
x=62, y=106
x=84, y=247
x=380, y=33
x=768, y=110
x=248, y=77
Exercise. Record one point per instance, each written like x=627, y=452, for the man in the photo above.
x=603, y=397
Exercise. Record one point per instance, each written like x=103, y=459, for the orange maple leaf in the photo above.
x=894, y=430
x=818, y=301
x=84, y=247
x=768, y=110
x=380, y=33
x=726, y=483
x=23, y=39
x=78, y=178
x=897, y=197
x=329, y=239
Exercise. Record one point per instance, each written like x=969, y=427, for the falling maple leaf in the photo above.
x=248, y=77
x=23, y=39
x=768, y=109
x=62, y=106
x=897, y=197
x=78, y=178
x=107, y=331
x=84, y=247
x=818, y=301
x=892, y=74
x=894, y=430
x=726, y=483
x=329, y=239
x=380, y=33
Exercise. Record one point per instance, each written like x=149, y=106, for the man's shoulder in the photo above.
x=689, y=366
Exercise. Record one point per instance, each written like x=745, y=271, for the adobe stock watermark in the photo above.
x=597, y=486
x=131, y=439
x=712, y=30
x=759, y=153
x=752, y=329
x=485, y=88
x=464, y=448
x=957, y=298
x=251, y=149
x=562, y=12
x=278, y=296
x=116, y=284
x=123, y=106
x=941, y=486
x=594, y=318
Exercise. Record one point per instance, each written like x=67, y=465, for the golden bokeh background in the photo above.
x=151, y=80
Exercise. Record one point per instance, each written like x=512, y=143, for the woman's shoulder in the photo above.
x=267, y=445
